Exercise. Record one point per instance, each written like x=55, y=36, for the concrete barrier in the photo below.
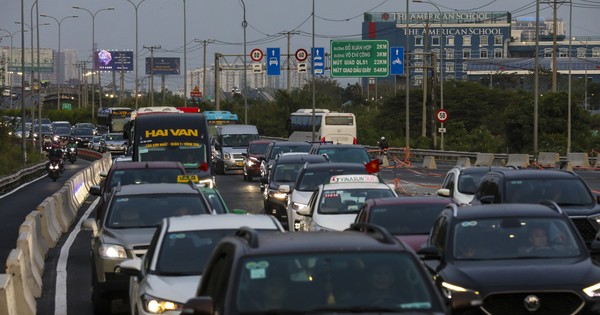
x=7, y=296
x=50, y=229
x=60, y=214
x=429, y=162
x=548, y=159
x=24, y=300
x=62, y=201
x=484, y=159
x=33, y=278
x=384, y=160
x=518, y=160
x=463, y=162
x=33, y=246
x=578, y=159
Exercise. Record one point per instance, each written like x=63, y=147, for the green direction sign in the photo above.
x=359, y=58
x=66, y=106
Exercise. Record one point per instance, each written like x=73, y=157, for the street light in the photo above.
x=185, y=57
x=58, y=62
x=136, y=51
x=407, y=71
x=570, y=66
x=442, y=53
x=10, y=60
x=244, y=25
x=93, y=15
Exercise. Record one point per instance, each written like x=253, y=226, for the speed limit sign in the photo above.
x=301, y=54
x=441, y=115
x=256, y=54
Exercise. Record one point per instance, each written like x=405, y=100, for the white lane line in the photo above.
x=60, y=298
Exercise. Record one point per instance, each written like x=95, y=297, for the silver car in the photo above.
x=113, y=143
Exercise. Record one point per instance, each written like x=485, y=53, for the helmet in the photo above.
x=382, y=138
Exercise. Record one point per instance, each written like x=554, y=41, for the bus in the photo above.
x=329, y=126
x=168, y=136
x=113, y=119
x=216, y=118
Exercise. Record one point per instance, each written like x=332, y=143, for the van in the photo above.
x=231, y=142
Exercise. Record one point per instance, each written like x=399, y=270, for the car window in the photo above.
x=565, y=192
x=347, y=155
x=406, y=219
x=310, y=179
x=344, y=201
x=141, y=211
x=114, y=137
x=283, y=148
x=144, y=176
x=257, y=148
x=286, y=172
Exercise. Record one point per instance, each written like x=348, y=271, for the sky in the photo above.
x=161, y=22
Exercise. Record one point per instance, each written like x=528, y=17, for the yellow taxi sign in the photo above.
x=339, y=179
x=188, y=178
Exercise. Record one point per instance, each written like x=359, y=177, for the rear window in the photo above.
x=258, y=148
x=144, y=176
x=286, y=148
x=339, y=120
x=346, y=155
x=310, y=179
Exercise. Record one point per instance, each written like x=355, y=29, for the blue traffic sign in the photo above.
x=318, y=60
x=273, y=61
x=396, y=60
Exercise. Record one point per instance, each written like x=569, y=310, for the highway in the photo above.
x=71, y=294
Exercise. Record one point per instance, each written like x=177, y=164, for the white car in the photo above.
x=169, y=274
x=461, y=183
x=334, y=206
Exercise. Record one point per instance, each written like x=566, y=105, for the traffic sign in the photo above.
x=256, y=54
x=196, y=92
x=257, y=68
x=302, y=67
x=359, y=58
x=441, y=115
x=396, y=60
x=318, y=60
x=442, y=130
x=273, y=61
x=301, y=54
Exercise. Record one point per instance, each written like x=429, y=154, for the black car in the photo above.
x=345, y=153
x=82, y=136
x=281, y=181
x=532, y=186
x=345, y=272
x=278, y=147
x=521, y=258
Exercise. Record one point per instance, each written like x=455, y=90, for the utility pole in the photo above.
x=554, y=47
x=289, y=35
x=204, y=44
x=217, y=83
x=152, y=49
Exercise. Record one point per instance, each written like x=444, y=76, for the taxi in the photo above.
x=210, y=193
x=335, y=204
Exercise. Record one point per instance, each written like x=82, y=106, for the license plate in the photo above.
x=240, y=163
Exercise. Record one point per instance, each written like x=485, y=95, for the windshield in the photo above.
x=565, y=192
x=237, y=140
x=345, y=201
x=83, y=132
x=468, y=183
x=348, y=155
x=406, y=219
x=286, y=172
x=313, y=178
x=144, y=176
x=188, y=156
x=62, y=131
x=324, y=282
x=114, y=137
x=142, y=211
x=258, y=148
x=285, y=148
x=514, y=238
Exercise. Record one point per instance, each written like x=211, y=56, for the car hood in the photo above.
x=235, y=150
x=116, y=142
x=336, y=222
x=525, y=274
x=128, y=237
x=176, y=289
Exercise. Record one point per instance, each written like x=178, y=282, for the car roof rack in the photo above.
x=552, y=205
x=249, y=234
x=378, y=232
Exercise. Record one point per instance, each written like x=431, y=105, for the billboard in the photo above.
x=163, y=66
x=114, y=60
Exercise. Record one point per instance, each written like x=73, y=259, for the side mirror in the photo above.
x=487, y=199
x=429, y=253
x=465, y=300
x=284, y=188
x=202, y=305
x=90, y=225
x=130, y=267
x=95, y=190
x=444, y=192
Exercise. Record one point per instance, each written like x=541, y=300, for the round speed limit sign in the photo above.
x=441, y=115
x=256, y=54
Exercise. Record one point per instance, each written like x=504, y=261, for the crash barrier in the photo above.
x=548, y=159
x=429, y=162
x=578, y=159
x=484, y=159
x=518, y=160
x=463, y=162
x=41, y=231
x=8, y=182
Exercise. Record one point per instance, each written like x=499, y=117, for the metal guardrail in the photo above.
x=11, y=180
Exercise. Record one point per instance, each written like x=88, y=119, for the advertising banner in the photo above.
x=114, y=60
x=164, y=66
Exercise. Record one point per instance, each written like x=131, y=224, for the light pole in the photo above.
x=23, y=142
x=93, y=15
x=244, y=25
x=536, y=85
x=58, y=61
x=137, y=66
x=312, y=71
x=570, y=66
x=10, y=60
x=407, y=71
x=442, y=55
x=185, y=96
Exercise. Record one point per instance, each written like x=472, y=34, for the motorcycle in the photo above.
x=72, y=154
x=54, y=169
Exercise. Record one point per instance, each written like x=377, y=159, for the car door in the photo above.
x=217, y=277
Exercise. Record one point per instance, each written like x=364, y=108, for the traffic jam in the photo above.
x=334, y=234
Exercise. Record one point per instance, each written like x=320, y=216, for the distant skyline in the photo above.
x=161, y=23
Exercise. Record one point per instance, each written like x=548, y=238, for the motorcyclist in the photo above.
x=55, y=154
x=383, y=145
x=72, y=144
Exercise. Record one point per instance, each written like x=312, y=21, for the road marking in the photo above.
x=60, y=298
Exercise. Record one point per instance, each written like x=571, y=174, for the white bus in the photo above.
x=329, y=126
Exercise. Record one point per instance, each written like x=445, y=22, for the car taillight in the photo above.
x=323, y=139
x=354, y=141
x=203, y=167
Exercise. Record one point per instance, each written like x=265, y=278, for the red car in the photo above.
x=407, y=218
x=252, y=158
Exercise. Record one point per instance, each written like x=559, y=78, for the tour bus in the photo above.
x=329, y=126
x=167, y=136
x=216, y=118
x=113, y=119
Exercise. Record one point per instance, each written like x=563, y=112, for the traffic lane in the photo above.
x=239, y=194
x=16, y=205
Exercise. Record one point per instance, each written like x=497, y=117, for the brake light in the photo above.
x=203, y=167
x=323, y=139
x=354, y=141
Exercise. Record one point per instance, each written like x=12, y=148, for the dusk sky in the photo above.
x=161, y=23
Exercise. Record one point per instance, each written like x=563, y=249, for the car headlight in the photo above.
x=112, y=251
x=278, y=195
x=158, y=306
x=448, y=288
x=593, y=291
x=296, y=206
x=250, y=162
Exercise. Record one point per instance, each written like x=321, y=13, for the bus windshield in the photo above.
x=188, y=156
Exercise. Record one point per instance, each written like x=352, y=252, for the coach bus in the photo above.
x=181, y=137
x=216, y=118
x=113, y=119
x=329, y=126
